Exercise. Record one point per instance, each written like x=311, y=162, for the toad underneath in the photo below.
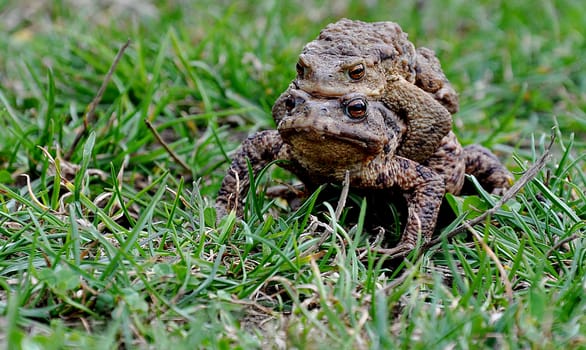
x=367, y=103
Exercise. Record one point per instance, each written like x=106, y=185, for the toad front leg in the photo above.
x=427, y=120
x=259, y=149
x=425, y=190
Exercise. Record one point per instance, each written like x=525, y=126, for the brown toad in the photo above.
x=320, y=139
x=377, y=60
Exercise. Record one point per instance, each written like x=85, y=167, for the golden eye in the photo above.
x=357, y=72
x=356, y=109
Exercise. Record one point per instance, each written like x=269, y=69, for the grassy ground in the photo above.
x=109, y=242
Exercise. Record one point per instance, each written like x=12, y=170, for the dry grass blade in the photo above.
x=512, y=192
x=496, y=260
x=561, y=243
x=91, y=109
x=343, y=195
x=166, y=146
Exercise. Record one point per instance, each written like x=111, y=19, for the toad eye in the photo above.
x=357, y=72
x=356, y=109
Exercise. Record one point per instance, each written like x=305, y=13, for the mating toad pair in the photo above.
x=367, y=102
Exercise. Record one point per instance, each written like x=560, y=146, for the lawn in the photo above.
x=118, y=120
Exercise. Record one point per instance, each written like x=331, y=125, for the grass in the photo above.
x=111, y=243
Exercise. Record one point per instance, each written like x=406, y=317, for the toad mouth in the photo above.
x=289, y=131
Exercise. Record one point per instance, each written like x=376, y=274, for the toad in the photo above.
x=367, y=103
x=377, y=60
x=321, y=139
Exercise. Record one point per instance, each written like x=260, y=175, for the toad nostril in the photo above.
x=290, y=103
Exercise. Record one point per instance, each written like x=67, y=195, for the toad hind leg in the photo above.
x=488, y=170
